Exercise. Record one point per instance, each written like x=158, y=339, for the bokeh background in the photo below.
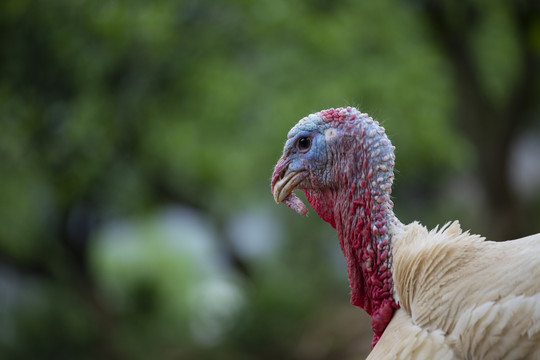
x=138, y=138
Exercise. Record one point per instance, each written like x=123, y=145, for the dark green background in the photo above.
x=138, y=138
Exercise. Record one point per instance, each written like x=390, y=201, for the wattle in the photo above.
x=370, y=279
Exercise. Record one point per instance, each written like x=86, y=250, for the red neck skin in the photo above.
x=361, y=214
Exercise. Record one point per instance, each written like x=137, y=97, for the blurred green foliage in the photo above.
x=116, y=115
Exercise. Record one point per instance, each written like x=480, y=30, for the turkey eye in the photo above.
x=303, y=143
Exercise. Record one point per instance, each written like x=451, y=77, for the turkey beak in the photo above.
x=282, y=185
x=284, y=181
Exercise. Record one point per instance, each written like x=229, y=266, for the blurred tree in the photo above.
x=497, y=90
x=113, y=111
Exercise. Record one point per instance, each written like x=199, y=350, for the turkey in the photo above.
x=439, y=294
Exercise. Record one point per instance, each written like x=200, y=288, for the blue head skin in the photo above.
x=307, y=149
x=306, y=162
x=330, y=150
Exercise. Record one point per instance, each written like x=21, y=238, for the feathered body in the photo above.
x=431, y=295
x=463, y=297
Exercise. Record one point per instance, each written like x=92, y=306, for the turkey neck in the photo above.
x=365, y=242
x=361, y=211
